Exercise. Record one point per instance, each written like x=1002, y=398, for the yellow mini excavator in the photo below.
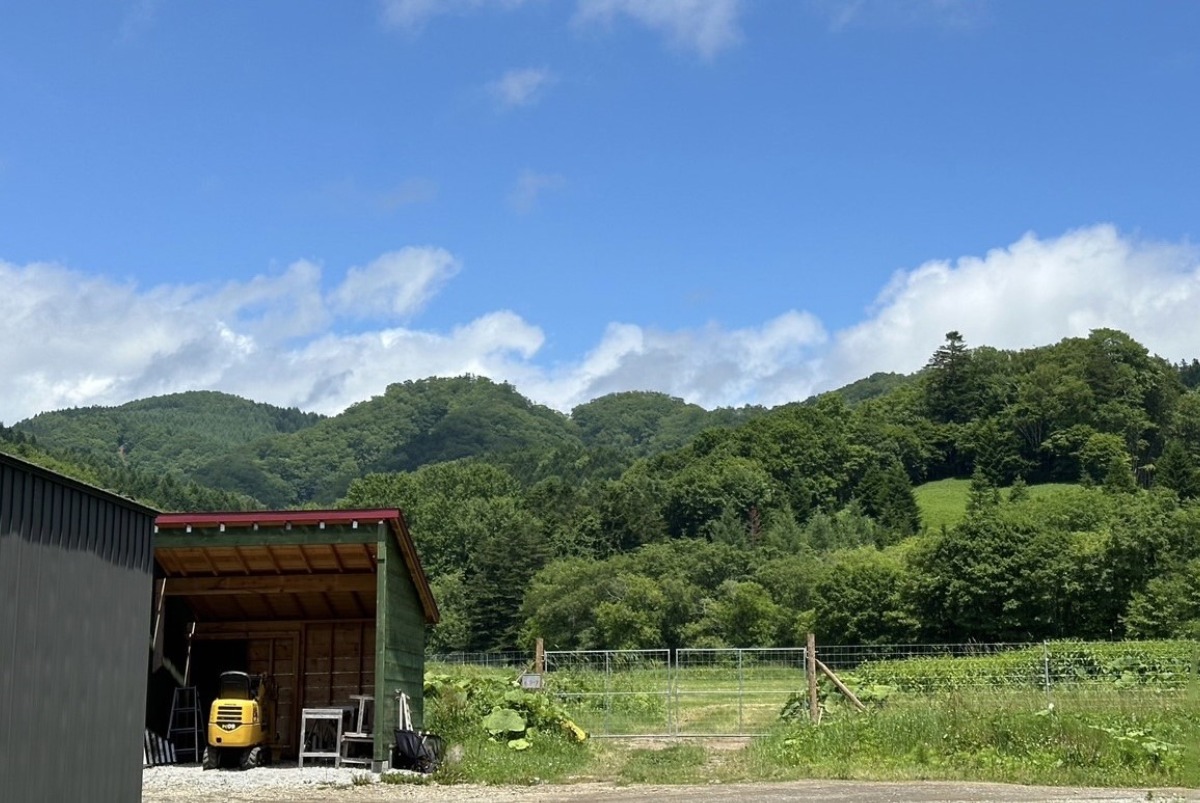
x=240, y=723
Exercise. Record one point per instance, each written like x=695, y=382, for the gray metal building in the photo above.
x=75, y=590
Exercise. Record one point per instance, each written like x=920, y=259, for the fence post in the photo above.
x=741, y=692
x=810, y=672
x=673, y=693
x=1046, y=672
x=607, y=691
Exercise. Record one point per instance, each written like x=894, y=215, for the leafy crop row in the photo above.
x=1157, y=664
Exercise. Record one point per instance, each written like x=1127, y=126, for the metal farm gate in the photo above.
x=672, y=693
x=743, y=692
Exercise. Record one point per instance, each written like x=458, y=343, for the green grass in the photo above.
x=550, y=759
x=967, y=738
x=677, y=764
x=954, y=737
x=944, y=502
x=1114, y=730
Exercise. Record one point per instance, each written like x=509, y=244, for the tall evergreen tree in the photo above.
x=948, y=382
x=1177, y=471
x=887, y=496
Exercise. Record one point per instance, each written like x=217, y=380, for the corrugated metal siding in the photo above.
x=75, y=580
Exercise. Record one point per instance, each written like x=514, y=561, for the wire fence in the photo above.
x=1071, y=676
x=498, y=660
x=615, y=692
x=720, y=692
x=745, y=691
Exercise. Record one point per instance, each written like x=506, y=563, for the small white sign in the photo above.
x=531, y=680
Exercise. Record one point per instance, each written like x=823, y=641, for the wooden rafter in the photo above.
x=274, y=560
x=237, y=550
x=304, y=555
x=208, y=559
x=337, y=560
x=272, y=584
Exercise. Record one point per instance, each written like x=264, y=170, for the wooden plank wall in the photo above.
x=313, y=664
x=339, y=660
x=277, y=656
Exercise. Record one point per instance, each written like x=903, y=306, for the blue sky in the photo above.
x=732, y=201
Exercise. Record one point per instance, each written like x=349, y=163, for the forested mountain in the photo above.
x=175, y=433
x=643, y=521
x=803, y=517
x=643, y=423
x=284, y=457
x=164, y=491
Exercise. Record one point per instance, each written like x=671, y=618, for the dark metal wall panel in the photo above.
x=75, y=590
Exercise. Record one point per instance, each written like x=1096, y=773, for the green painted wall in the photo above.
x=399, y=643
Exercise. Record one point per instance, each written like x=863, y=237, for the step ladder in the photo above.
x=184, y=731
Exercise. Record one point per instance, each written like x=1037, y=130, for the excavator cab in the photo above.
x=240, y=723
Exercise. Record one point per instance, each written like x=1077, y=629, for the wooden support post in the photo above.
x=187, y=662
x=810, y=672
x=539, y=657
x=842, y=687
x=159, y=636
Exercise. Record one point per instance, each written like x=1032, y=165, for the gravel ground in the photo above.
x=175, y=784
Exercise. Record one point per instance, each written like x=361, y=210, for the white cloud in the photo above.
x=1031, y=293
x=530, y=187
x=711, y=366
x=68, y=339
x=397, y=284
x=706, y=26
x=520, y=87
x=71, y=339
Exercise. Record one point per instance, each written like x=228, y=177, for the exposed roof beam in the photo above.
x=362, y=582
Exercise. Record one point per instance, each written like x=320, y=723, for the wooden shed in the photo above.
x=331, y=604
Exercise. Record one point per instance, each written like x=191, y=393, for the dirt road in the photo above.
x=179, y=784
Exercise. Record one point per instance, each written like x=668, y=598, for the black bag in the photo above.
x=417, y=750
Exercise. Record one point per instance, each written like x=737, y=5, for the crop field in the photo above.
x=732, y=692
x=705, y=694
x=1066, y=713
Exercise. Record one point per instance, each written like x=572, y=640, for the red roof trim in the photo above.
x=273, y=518
x=281, y=518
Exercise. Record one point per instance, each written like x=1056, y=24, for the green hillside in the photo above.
x=164, y=434
x=283, y=457
x=644, y=423
x=943, y=503
x=1013, y=496
x=410, y=425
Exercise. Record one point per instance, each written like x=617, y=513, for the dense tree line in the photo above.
x=165, y=491
x=642, y=521
x=804, y=517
